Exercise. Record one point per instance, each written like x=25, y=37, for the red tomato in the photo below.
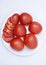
x=9, y=24
x=7, y=39
x=25, y=18
x=7, y=35
x=9, y=21
x=15, y=18
x=7, y=30
x=10, y=27
x=30, y=41
x=35, y=27
x=20, y=30
x=17, y=44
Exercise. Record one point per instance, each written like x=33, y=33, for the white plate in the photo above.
x=36, y=12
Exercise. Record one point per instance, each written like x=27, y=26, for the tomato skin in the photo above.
x=25, y=18
x=15, y=18
x=30, y=41
x=35, y=27
x=20, y=30
x=17, y=44
x=7, y=39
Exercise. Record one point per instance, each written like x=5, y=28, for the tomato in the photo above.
x=9, y=24
x=9, y=21
x=20, y=30
x=30, y=41
x=7, y=30
x=10, y=27
x=7, y=35
x=17, y=44
x=25, y=18
x=35, y=27
x=7, y=39
x=15, y=18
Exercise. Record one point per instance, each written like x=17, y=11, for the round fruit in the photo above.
x=30, y=41
x=25, y=18
x=20, y=30
x=15, y=18
x=17, y=44
x=35, y=27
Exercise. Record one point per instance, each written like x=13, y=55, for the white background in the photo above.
x=38, y=9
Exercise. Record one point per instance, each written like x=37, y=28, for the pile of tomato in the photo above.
x=15, y=28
